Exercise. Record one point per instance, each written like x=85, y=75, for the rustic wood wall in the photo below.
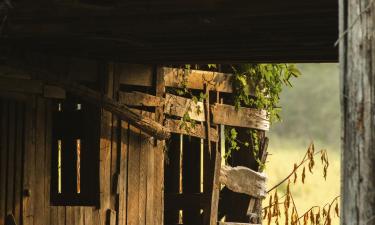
x=131, y=165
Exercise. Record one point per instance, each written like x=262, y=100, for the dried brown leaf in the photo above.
x=337, y=209
x=303, y=175
x=295, y=173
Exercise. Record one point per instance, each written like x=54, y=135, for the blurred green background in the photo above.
x=310, y=113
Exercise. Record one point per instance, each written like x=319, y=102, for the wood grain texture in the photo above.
x=29, y=166
x=198, y=130
x=123, y=181
x=105, y=150
x=195, y=79
x=159, y=155
x=242, y=117
x=243, y=180
x=179, y=106
x=9, y=201
x=38, y=200
x=137, y=98
x=133, y=176
x=142, y=189
x=357, y=60
x=3, y=157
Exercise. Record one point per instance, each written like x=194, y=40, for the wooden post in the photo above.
x=357, y=58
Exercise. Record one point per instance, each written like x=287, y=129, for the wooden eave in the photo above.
x=230, y=31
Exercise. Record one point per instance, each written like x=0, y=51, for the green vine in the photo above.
x=254, y=85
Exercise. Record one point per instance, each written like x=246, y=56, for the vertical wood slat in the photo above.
x=29, y=162
x=133, y=176
x=150, y=198
x=18, y=162
x=10, y=159
x=123, y=174
x=47, y=159
x=159, y=155
x=3, y=157
x=113, y=93
x=142, y=191
x=105, y=152
x=39, y=203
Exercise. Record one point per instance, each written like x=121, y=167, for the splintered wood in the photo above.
x=244, y=180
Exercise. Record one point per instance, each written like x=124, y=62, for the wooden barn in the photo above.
x=92, y=131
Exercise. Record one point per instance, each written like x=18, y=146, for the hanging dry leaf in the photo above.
x=337, y=209
x=317, y=218
x=295, y=173
x=303, y=175
x=305, y=218
x=312, y=217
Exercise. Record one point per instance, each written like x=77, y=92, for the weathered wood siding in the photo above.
x=130, y=164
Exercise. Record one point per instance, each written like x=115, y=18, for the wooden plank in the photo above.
x=88, y=215
x=61, y=215
x=111, y=217
x=123, y=112
x=137, y=98
x=195, y=79
x=179, y=106
x=123, y=181
x=142, y=190
x=159, y=155
x=115, y=140
x=215, y=190
x=18, y=162
x=135, y=74
x=10, y=159
x=244, y=180
x=38, y=201
x=47, y=159
x=3, y=157
x=105, y=150
x=29, y=162
x=198, y=130
x=150, y=198
x=243, y=117
x=69, y=215
x=133, y=176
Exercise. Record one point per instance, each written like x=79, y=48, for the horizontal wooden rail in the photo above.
x=221, y=113
x=244, y=180
x=199, y=130
x=146, y=124
x=241, y=117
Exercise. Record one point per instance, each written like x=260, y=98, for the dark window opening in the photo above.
x=75, y=153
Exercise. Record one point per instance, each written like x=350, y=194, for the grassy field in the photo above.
x=315, y=191
x=310, y=111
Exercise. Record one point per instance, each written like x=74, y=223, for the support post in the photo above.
x=357, y=59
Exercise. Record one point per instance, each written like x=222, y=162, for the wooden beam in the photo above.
x=244, y=180
x=178, y=106
x=137, y=98
x=242, y=117
x=357, y=62
x=198, y=130
x=146, y=124
x=195, y=79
